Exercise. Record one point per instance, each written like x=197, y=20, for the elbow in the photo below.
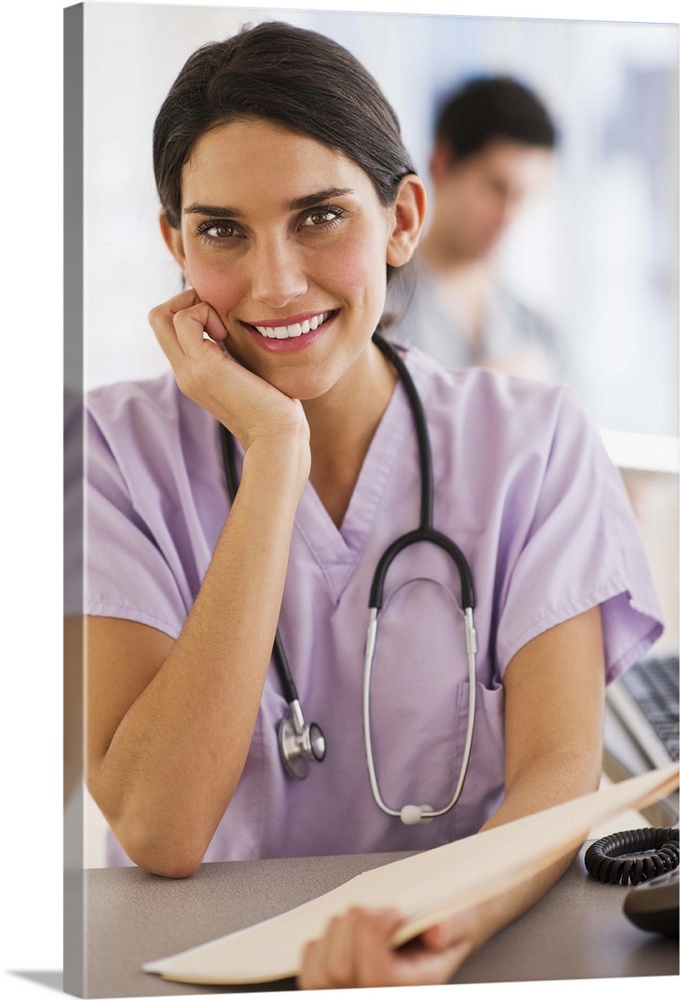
x=159, y=847
x=165, y=842
x=174, y=868
x=160, y=855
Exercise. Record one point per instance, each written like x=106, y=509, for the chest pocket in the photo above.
x=419, y=694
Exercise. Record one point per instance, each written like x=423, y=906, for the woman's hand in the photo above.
x=205, y=372
x=355, y=951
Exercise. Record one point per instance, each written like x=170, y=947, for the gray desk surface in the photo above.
x=577, y=931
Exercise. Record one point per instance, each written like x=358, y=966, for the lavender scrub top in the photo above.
x=524, y=487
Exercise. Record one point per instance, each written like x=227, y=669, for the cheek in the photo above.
x=479, y=209
x=214, y=283
x=360, y=272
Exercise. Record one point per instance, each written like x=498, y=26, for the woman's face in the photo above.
x=286, y=239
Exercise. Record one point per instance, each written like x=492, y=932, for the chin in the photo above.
x=305, y=387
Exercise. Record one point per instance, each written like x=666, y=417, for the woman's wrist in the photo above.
x=284, y=457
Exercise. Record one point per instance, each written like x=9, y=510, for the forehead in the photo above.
x=255, y=161
x=512, y=160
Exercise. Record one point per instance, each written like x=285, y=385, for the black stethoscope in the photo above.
x=301, y=743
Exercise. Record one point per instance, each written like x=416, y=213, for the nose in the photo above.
x=278, y=272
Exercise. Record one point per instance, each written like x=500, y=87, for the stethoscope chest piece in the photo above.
x=300, y=744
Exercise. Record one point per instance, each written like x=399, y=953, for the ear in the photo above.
x=174, y=243
x=441, y=160
x=409, y=211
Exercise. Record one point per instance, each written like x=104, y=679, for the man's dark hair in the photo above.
x=489, y=108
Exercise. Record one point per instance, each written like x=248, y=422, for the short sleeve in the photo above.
x=582, y=549
x=127, y=575
x=153, y=502
x=73, y=502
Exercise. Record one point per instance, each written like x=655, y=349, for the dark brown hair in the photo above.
x=297, y=78
x=489, y=108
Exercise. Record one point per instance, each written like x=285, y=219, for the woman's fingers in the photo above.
x=330, y=960
x=473, y=927
x=198, y=363
x=414, y=964
x=342, y=957
x=355, y=951
x=180, y=323
x=162, y=321
x=206, y=372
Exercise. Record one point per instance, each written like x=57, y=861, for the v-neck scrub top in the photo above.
x=524, y=487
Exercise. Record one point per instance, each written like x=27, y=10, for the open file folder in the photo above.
x=427, y=887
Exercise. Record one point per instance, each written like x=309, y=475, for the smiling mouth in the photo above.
x=295, y=329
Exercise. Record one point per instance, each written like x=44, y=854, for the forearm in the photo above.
x=176, y=756
x=556, y=776
x=554, y=711
x=543, y=783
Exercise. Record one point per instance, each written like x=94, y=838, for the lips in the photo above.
x=298, y=329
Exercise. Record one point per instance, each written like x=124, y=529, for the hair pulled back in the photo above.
x=291, y=76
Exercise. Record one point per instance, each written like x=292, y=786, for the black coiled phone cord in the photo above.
x=604, y=860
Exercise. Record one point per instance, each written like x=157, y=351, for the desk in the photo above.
x=577, y=931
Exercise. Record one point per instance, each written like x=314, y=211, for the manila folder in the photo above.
x=426, y=888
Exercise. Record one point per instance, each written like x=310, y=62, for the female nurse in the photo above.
x=288, y=201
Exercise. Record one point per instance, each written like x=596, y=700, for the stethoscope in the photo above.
x=302, y=744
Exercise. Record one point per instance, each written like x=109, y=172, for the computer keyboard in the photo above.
x=645, y=699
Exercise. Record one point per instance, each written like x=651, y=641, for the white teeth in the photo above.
x=296, y=329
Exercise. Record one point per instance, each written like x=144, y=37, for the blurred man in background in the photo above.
x=493, y=148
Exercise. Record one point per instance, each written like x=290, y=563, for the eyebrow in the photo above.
x=294, y=205
x=309, y=200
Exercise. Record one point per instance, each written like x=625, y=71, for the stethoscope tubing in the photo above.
x=307, y=741
x=426, y=534
x=426, y=812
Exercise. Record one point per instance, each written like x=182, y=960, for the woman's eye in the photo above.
x=217, y=232
x=323, y=217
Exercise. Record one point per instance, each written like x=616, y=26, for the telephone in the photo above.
x=647, y=860
x=653, y=905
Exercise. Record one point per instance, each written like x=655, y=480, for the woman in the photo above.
x=288, y=200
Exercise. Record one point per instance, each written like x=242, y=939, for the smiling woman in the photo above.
x=303, y=227
x=288, y=202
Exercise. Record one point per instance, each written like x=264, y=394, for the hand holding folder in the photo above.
x=426, y=888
